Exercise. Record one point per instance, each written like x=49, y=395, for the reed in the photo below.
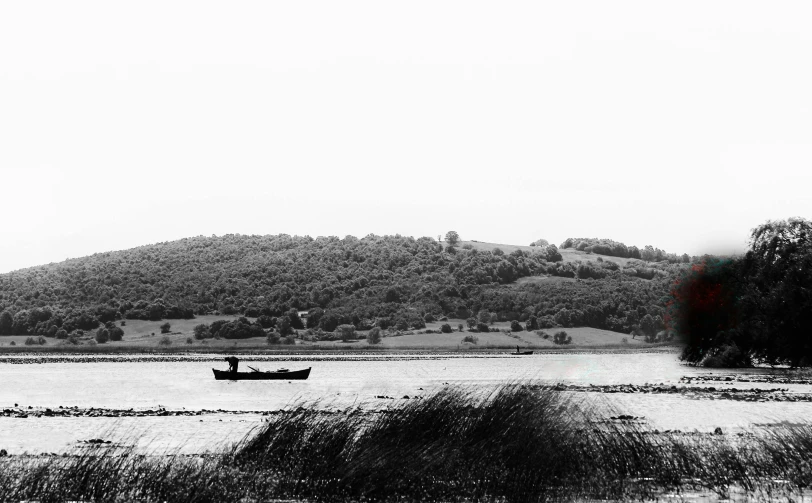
x=517, y=443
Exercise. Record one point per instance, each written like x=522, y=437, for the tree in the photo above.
x=515, y=326
x=561, y=337
x=116, y=333
x=165, y=328
x=471, y=322
x=283, y=326
x=446, y=328
x=6, y=323
x=102, y=335
x=374, y=335
x=347, y=332
x=452, y=238
x=202, y=332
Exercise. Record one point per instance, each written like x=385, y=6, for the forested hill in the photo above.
x=378, y=279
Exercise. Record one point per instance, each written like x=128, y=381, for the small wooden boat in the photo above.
x=257, y=375
x=522, y=353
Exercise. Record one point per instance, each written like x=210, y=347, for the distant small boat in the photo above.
x=256, y=375
x=522, y=353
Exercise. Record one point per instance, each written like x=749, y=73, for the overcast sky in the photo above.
x=682, y=125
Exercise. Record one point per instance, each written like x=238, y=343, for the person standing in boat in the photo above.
x=233, y=363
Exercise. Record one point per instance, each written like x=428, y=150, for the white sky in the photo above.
x=682, y=125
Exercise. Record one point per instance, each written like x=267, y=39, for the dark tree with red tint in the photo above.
x=704, y=309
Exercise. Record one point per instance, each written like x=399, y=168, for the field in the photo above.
x=568, y=254
x=142, y=335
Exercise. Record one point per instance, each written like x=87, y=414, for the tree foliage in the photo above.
x=756, y=307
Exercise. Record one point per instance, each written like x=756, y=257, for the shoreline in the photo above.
x=13, y=353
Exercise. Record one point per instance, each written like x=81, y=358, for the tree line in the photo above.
x=383, y=281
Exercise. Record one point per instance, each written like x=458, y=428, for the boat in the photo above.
x=521, y=352
x=258, y=375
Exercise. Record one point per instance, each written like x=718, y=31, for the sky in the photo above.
x=682, y=125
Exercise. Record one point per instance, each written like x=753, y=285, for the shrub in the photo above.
x=347, y=332
x=472, y=339
x=460, y=328
x=515, y=326
x=189, y=340
x=61, y=334
x=624, y=340
x=273, y=337
x=543, y=334
x=202, y=332
x=374, y=336
x=165, y=328
x=727, y=356
x=429, y=318
x=123, y=323
x=12, y=343
x=30, y=341
x=446, y=328
x=102, y=335
x=561, y=337
x=289, y=340
x=482, y=327
x=165, y=341
x=116, y=334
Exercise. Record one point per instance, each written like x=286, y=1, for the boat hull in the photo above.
x=523, y=353
x=224, y=375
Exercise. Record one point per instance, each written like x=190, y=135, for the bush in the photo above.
x=189, y=340
x=347, y=332
x=165, y=328
x=482, y=327
x=30, y=341
x=561, y=337
x=515, y=326
x=727, y=356
x=202, y=332
x=460, y=328
x=470, y=339
x=374, y=336
x=289, y=340
x=12, y=343
x=165, y=341
x=543, y=334
x=102, y=335
x=116, y=334
x=274, y=338
x=123, y=323
x=429, y=318
x=446, y=328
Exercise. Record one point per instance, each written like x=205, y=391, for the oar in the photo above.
x=252, y=368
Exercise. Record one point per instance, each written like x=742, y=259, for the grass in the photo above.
x=517, y=443
x=138, y=338
x=567, y=254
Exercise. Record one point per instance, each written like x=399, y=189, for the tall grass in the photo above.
x=516, y=443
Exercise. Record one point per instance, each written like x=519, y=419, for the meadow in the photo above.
x=143, y=335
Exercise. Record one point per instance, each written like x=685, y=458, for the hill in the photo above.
x=377, y=280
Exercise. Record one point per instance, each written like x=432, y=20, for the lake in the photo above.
x=185, y=385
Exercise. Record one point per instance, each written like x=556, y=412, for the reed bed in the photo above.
x=516, y=443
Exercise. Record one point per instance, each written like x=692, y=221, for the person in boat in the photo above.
x=233, y=363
